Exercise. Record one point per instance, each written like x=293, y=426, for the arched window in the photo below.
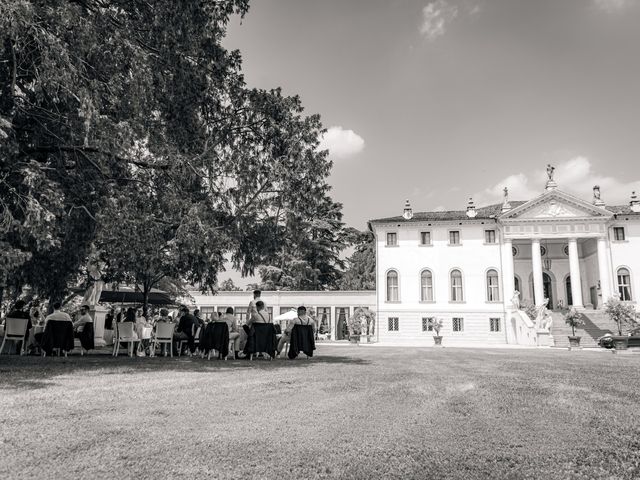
x=426, y=286
x=516, y=284
x=624, y=284
x=493, y=290
x=392, y=286
x=456, y=286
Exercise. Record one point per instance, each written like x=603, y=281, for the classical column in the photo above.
x=334, y=322
x=536, y=259
x=603, y=270
x=574, y=271
x=508, y=286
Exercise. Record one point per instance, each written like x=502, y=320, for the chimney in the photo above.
x=471, y=209
x=408, y=211
x=597, y=201
x=634, y=203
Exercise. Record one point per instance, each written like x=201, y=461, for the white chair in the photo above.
x=14, y=331
x=164, y=334
x=124, y=333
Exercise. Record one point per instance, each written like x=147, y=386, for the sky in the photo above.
x=439, y=101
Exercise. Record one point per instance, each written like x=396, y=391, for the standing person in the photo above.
x=186, y=329
x=108, y=319
x=253, y=304
x=234, y=335
x=301, y=319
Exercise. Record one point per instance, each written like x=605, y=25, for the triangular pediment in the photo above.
x=558, y=205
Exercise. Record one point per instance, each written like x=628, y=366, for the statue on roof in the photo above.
x=506, y=194
x=550, y=171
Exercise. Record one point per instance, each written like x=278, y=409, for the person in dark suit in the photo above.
x=186, y=329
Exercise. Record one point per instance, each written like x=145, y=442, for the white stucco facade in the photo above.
x=555, y=246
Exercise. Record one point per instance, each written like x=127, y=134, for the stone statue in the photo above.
x=506, y=194
x=550, y=171
x=543, y=319
x=94, y=272
x=515, y=300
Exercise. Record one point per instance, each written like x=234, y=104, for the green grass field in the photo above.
x=351, y=412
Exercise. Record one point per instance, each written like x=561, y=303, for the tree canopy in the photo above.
x=126, y=127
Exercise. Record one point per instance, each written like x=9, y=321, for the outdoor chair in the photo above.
x=15, y=331
x=301, y=339
x=217, y=339
x=86, y=338
x=57, y=335
x=124, y=333
x=262, y=339
x=181, y=343
x=164, y=335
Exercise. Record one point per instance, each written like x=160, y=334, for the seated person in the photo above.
x=83, y=318
x=301, y=319
x=57, y=315
x=141, y=324
x=234, y=334
x=187, y=326
x=260, y=315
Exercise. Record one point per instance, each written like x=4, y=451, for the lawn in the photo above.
x=351, y=412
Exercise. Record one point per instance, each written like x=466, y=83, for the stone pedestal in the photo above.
x=545, y=339
x=98, y=313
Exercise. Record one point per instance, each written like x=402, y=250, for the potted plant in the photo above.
x=436, y=325
x=354, y=324
x=574, y=319
x=621, y=313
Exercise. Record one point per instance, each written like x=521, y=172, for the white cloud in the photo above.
x=341, y=143
x=575, y=176
x=611, y=6
x=435, y=17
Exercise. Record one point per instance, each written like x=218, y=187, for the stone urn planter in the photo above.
x=574, y=342
x=620, y=342
x=437, y=340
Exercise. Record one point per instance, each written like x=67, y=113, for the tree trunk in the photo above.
x=145, y=298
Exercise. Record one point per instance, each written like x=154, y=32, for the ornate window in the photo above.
x=624, y=284
x=514, y=251
x=493, y=289
x=392, y=286
x=427, y=324
x=426, y=286
x=516, y=284
x=565, y=249
x=494, y=324
x=543, y=250
x=394, y=324
x=458, y=324
x=456, y=286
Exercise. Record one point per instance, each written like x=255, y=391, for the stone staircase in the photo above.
x=596, y=324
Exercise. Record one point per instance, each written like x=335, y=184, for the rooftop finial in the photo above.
x=634, y=203
x=597, y=201
x=506, y=206
x=551, y=184
x=408, y=211
x=471, y=208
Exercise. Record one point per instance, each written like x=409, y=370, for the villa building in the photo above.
x=465, y=267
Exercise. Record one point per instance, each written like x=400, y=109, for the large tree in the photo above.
x=126, y=124
x=360, y=271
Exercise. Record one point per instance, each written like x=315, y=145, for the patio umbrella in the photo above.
x=130, y=295
x=290, y=315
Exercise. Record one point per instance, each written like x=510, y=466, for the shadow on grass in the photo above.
x=34, y=372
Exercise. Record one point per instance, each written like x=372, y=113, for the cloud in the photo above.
x=611, y=6
x=575, y=176
x=440, y=208
x=435, y=18
x=341, y=143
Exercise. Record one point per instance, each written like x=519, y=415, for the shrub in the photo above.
x=620, y=313
x=437, y=324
